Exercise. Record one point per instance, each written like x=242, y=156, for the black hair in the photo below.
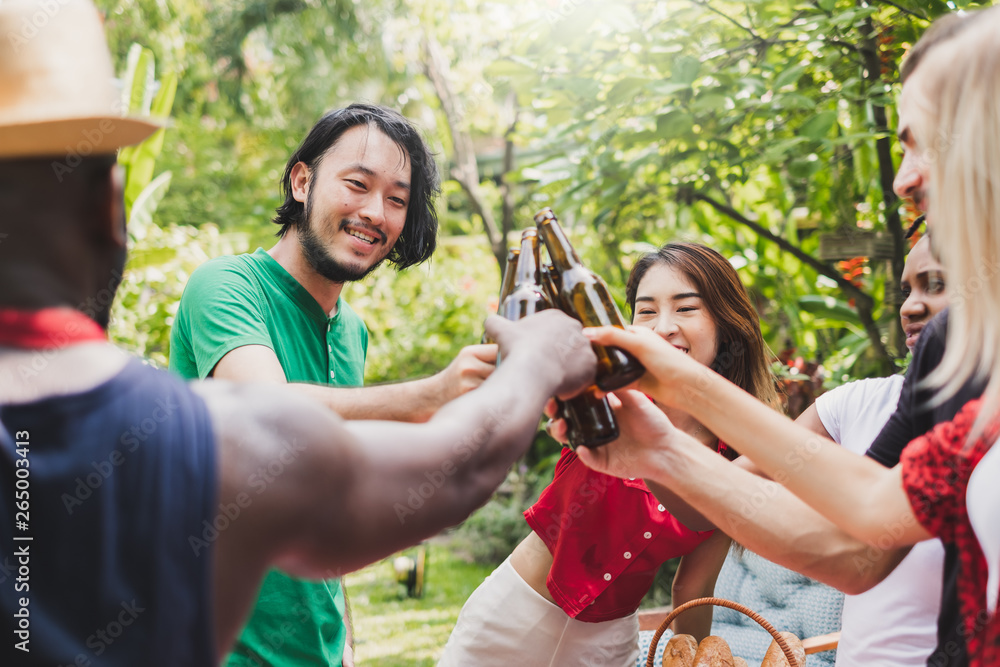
x=419, y=237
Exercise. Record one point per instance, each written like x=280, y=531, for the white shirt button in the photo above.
x=628, y=554
x=661, y=507
x=631, y=479
x=607, y=576
x=647, y=535
x=331, y=375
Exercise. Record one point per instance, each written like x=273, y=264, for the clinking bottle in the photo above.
x=527, y=297
x=586, y=297
x=506, y=285
x=590, y=421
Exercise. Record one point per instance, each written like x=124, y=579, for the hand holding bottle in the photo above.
x=558, y=351
x=671, y=375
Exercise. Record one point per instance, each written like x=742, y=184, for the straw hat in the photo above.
x=57, y=95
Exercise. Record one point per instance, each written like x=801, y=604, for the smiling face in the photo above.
x=356, y=201
x=667, y=302
x=923, y=287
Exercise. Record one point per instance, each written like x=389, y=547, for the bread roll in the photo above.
x=679, y=651
x=776, y=658
x=713, y=652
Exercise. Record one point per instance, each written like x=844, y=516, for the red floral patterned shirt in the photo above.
x=936, y=469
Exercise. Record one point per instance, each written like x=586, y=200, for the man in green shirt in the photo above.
x=359, y=190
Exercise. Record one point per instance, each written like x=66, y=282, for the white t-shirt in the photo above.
x=894, y=623
x=982, y=500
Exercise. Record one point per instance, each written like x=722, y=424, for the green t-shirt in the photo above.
x=250, y=299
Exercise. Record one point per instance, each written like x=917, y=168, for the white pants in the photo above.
x=506, y=623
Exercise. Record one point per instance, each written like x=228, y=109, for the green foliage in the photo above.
x=160, y=262
x=492, y=532
x=419, y=319
x=139, y=161
x=775, y=110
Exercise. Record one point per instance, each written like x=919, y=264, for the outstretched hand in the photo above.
x=557, y=347
x=669, y=371
x=645, y=435
x=468, y=370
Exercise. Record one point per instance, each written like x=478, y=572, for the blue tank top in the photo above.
x=118, y=486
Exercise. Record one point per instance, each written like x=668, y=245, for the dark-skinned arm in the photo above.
x=340, y=495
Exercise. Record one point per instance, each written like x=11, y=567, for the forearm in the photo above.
x=696, y=621
x=857, y=494
x=695, y=578
x=414, y=401
x=769, y=520
x=679, y=508
x=424, y=478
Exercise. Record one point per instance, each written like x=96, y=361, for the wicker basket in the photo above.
x=782, y=644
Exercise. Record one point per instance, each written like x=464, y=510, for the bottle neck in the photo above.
x=509, y=274
x=561, y=251
x=527, y=264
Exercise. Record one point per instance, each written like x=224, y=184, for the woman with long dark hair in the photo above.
x=569, y=592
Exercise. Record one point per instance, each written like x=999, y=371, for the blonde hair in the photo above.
x=961, y=140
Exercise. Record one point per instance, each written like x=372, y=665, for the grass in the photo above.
x=392, y=630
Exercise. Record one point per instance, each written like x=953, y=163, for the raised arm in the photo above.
x=321, y=497
x=413, y=401
x=863, y=498
x=758, y=513
x=225, y=329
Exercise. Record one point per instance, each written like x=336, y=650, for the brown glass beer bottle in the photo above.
x=590, y=420
x=586, y=297
x=549, y=285
x=506, y=285
x=527, y=296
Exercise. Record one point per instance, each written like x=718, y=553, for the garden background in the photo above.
x=764, y=129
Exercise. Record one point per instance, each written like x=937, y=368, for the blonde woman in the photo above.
x=950, y=126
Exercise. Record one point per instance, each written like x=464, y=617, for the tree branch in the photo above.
x=862, y=301
x=887, y=174
x=822, y=268
x=506, y=192
x=729, y=18
x=908, y=12
x=466, y=167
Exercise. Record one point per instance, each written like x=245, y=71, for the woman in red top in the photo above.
x=569, y=592
x=949, y=124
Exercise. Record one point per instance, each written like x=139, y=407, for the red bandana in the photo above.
x=47, y=328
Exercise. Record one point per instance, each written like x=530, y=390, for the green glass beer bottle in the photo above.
x=586, y=297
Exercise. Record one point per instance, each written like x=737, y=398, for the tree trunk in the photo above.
x=466, y=167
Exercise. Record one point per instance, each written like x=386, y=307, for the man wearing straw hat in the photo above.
x=130, y=531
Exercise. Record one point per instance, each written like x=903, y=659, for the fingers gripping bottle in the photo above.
x=586, y=297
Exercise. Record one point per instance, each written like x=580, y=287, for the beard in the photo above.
x=321, y=261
